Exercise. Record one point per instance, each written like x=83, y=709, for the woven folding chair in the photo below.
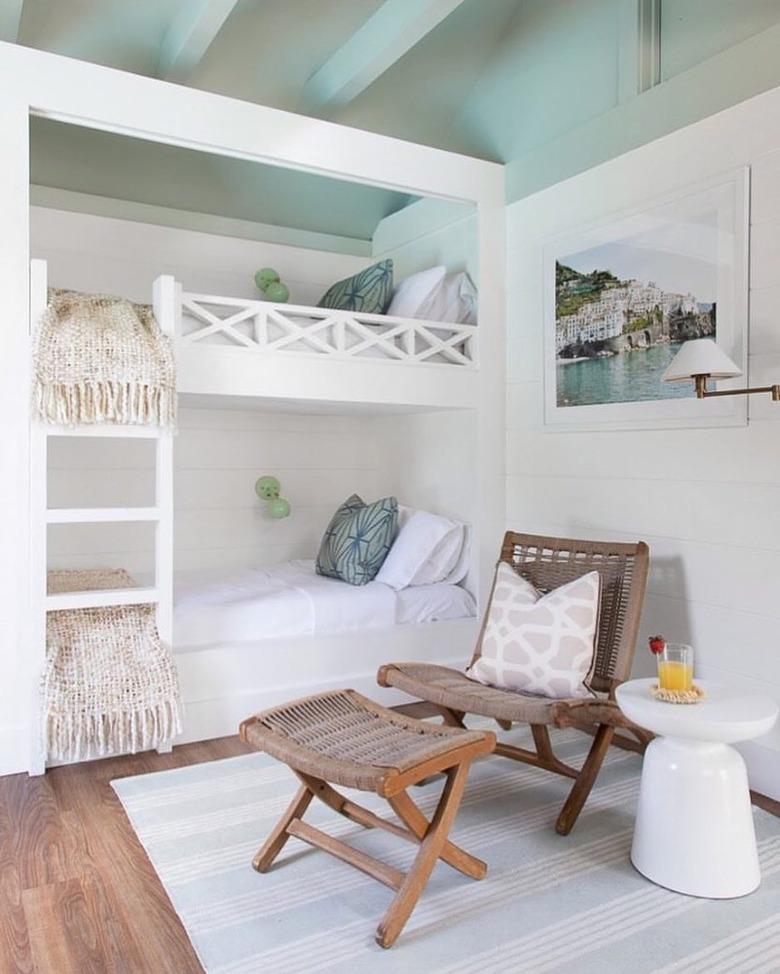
x=548, y=563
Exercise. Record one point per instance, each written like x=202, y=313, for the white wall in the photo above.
x=219, y=521
x=100, y=253
x=219, y=453
x=427, y=233
x=706, y=500
x=432, y=459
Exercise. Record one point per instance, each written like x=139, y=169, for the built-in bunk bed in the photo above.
x=441, y=423
x=249, y=637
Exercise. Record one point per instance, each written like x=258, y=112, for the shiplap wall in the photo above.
x=99, y=253
x=219, y=452
x=706, y=500
x=427, y=233
x=219, y=521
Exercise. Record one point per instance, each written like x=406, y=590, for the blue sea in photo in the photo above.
x=632, y=376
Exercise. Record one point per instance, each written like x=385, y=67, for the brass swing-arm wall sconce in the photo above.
x=701, y=359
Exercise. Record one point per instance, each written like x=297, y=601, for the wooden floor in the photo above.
x=77, y=893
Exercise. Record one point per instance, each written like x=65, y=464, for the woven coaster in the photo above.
x=694, y=695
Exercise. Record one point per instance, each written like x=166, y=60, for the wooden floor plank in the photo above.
x=152, y=924
x=63, y=931
x=37, y=842
x=15, y=952
x=77, y=891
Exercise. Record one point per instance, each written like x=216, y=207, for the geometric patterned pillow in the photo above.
x=540, y=644
x=369, y=291
x=357, y=540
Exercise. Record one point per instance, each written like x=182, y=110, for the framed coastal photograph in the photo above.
x=622, y=297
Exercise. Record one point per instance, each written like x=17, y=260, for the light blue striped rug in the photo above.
x=548, y=903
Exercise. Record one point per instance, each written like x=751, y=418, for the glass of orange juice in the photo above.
x=675, y=667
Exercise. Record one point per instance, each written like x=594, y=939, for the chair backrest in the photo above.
x=550, y=562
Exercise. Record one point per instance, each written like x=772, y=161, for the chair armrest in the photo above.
x=602, y=711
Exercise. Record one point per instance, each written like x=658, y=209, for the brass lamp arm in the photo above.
x=702, y=392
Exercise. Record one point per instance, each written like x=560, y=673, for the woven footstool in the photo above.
x=344, y=738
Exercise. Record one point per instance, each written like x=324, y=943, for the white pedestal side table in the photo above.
x=694, y=825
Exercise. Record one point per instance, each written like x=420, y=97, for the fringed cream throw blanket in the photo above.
x=101, y=359
x=110, y=684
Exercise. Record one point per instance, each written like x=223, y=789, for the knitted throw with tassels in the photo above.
x=110, y=685
x=100, y=359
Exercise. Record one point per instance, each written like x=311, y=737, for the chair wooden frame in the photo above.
x=431, y=835
x=547, y=563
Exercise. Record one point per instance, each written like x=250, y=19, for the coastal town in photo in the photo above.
x=616, y=331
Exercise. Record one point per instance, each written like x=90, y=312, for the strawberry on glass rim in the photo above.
x=657, y=644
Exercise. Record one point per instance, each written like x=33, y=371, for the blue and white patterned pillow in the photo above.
x=357, y=540
x=370, y=291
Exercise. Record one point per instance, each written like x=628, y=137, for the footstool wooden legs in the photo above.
x=277, y=839
x=361, y=745
x=431, y=847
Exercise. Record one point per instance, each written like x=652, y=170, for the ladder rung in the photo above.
x=102, y=597
x=90, y=515
x=118, y=432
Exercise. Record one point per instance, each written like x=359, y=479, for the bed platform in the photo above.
x=239, y=347
x=254, y=638
x=224, y=682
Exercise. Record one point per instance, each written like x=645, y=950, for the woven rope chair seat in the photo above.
x=451, y=688
x=346, y=738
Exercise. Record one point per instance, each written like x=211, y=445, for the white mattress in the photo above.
x=292, y=600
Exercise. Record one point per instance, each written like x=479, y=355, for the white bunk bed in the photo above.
x=84, y=94
x=232, y=347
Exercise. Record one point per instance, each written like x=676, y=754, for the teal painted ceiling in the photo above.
x=264, y=52
x=116, y=166
x=496, y=79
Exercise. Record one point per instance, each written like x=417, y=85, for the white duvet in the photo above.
x=290, y=599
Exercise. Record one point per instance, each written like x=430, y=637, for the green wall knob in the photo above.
x=277, y=292
x=265, y=276
x=278, y=508
x=267, y=488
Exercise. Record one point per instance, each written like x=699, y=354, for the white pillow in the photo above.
x=427, y=549
x=454, y=300
x=542, y=644
x=413, y=291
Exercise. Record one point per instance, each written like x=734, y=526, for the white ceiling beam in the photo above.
x=10, y=18
x=190, y=36
x=639, y=47
x=395, y=28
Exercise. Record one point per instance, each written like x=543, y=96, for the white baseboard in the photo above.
x=14, y=748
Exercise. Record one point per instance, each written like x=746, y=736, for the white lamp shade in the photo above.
x=701, y=356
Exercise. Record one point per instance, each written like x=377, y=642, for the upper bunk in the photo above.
x=239, y=347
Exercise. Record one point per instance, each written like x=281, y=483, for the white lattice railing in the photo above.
x=270, y=328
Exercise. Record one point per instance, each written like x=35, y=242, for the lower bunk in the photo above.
x=224, y=683
x=247, y=640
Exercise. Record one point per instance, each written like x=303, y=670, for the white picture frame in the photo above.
x=708, y=224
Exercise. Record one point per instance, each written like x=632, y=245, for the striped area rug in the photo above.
x=548, y=903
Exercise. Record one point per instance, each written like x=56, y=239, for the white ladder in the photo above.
x=160, y=594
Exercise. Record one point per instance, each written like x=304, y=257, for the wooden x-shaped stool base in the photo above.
x=431, y=836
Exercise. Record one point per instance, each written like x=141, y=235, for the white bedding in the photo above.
x=292, y=600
